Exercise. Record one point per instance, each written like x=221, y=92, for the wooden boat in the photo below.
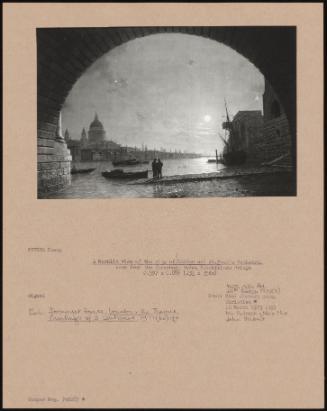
x=129, y=162
x=216, y=160
x=121, y=174
x=212, y=160
x=81, y=170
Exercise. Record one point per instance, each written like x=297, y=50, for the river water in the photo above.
x=94, y=185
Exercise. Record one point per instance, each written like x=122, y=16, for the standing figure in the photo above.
x=154, y=168
x=159, y=165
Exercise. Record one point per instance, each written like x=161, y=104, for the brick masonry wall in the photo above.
x=273, y=142
x=53, y=167
x=275, y=139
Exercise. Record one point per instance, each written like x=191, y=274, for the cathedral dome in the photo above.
x=96, y=133
x=96, y=124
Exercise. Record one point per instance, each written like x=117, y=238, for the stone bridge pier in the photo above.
x=53, y=158
x=64, y=54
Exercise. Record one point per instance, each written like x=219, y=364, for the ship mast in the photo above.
x=224, y=140
x=229, y=127
x=227, y=116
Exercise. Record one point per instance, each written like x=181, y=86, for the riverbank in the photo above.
x=225, y=173
x=182, y=179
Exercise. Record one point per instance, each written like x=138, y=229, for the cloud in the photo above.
x=159, y=88
x=140, y=116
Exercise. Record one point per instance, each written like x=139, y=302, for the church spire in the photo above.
x=83, y=137
x=67, y=136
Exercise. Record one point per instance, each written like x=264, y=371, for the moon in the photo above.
x=207, y=118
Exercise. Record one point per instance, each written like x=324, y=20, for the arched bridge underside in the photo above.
x=63, y=54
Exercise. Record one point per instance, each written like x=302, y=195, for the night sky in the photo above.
x=164, y=91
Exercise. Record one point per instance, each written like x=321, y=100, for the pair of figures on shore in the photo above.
x=157, y=168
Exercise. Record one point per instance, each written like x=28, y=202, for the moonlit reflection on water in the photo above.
x=94, y=185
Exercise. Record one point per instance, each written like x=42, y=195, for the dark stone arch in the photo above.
x=63, y=54
x=275, y=110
